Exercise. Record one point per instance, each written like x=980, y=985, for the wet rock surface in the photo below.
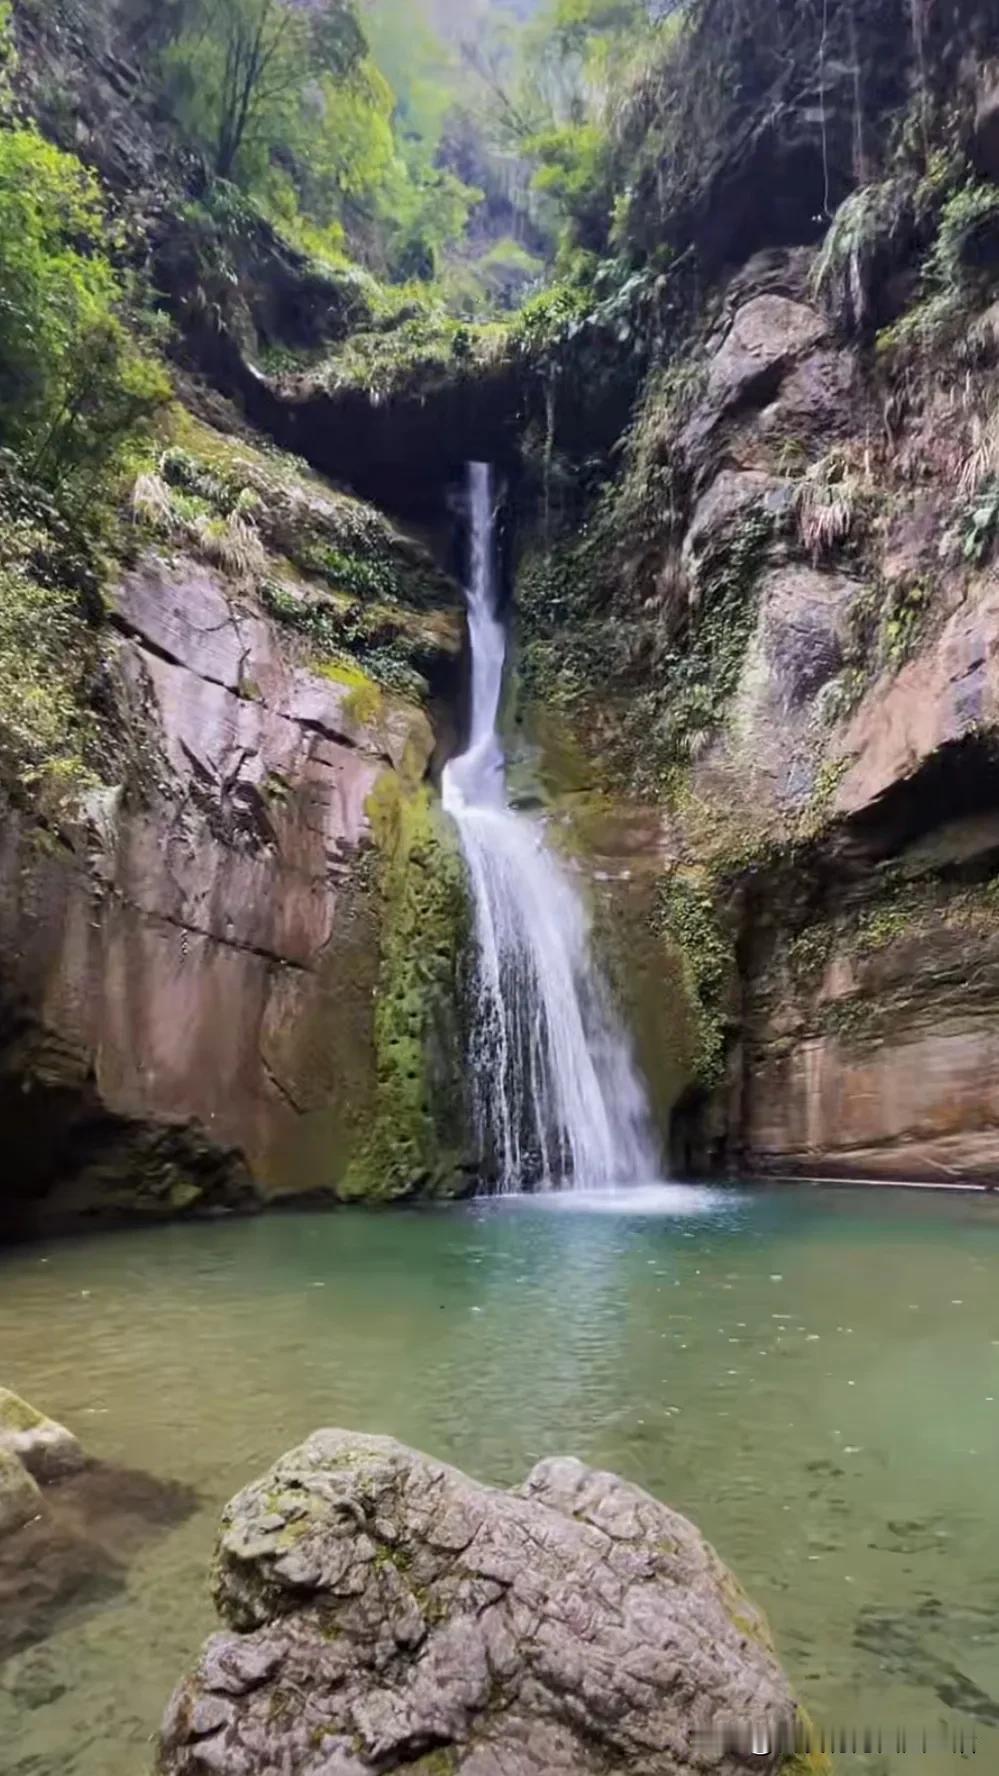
x=768, y=336
x=74, y=1549
x=186, y=981
x=46, y=1449
x=384, y=1612
x=69, y=1527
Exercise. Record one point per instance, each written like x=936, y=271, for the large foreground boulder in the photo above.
x=386, y=1613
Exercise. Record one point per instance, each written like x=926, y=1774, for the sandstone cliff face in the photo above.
x=190, y=967
x=803, y=691
x=859, y=733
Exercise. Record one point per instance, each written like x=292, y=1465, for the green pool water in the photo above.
x=812, y=1375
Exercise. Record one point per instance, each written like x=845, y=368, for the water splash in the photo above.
x=557, y=1096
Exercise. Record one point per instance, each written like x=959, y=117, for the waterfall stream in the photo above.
x=557, y=1097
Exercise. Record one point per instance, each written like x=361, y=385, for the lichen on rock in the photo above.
x=47, y=1450
x=385, y=1613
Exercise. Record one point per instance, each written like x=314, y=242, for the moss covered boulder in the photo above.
x=384, y=1612
x=46, y=1449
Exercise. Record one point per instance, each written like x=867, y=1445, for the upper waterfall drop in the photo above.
x=557, y=1096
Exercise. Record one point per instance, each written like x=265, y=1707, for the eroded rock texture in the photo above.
x=187, y=1016
x=386, y=1613
x=827, y=844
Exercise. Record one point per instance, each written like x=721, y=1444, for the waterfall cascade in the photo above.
x=557, y=1097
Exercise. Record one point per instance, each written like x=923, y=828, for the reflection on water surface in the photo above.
x=812, y=1375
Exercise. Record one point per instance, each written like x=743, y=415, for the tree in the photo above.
x=74, y=386
x=239, y=69
x=548, y=92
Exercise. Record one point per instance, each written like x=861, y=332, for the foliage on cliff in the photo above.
x=75, y=389
x=414, y=1144
x=686, y=914
x=78, y=393
x=350, y=591
x=48, y=650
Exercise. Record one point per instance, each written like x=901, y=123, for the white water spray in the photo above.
x=557, y=1097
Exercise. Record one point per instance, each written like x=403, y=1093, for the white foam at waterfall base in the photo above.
x=669, y=1202
x=557, y=1097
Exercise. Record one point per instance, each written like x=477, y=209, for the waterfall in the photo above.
x=557, y=1097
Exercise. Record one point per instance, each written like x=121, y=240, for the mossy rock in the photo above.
x=20, y=1496
x=414, y=1145
x=687, y=917
x=46, y=1449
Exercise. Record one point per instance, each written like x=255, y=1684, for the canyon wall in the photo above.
x=190, y=959
x=819, y=849
x=756, y=523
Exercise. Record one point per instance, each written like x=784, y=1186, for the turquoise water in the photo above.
x=812, y=1375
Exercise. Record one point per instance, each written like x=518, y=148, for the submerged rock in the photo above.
x=20, y=1497
x=385, y=1612
x=47, y=1450
x=69, y=1526
x=75, y=1545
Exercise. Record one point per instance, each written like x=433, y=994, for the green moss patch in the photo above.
x=414, y=1142
x=687, y=915
x=328, y=566
x=645, y=689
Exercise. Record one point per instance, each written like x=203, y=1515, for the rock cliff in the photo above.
x=190, y=965
x=801, y=711
x=759, y=631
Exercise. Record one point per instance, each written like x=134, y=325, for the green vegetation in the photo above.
x=48, y=650
x=359, y=596
x=75, y=391
x=288, y=104
x=237, y=71
x=359, y=130
x=339, y=632
x=886, y=621
x=424, y=348
x=979, y=524
x=78, y=395
x=959, y=274
x=414, y=1143
x=654, y=682
x=686, y=914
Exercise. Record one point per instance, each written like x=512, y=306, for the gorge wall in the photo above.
x=757, y=690
x=773, y=639
x=191, y=961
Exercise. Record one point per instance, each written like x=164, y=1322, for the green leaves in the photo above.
x=285, y=101
x=47, y=648
x=239, y=71
x=74, y=387
x=980, y=526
